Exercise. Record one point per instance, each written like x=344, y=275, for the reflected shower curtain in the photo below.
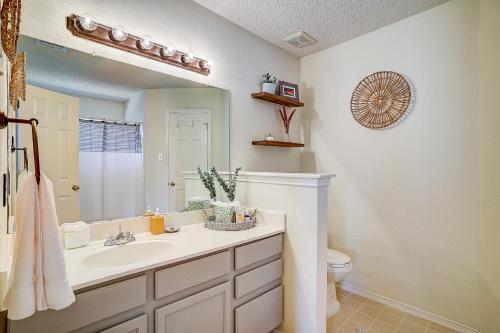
x=111, y=170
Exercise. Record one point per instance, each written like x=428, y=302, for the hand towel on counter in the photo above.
x=76, y=234
x=38, y=279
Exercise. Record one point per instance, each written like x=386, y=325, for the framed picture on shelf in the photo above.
x=290, y=90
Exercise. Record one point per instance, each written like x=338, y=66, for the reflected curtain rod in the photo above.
x=110, y=121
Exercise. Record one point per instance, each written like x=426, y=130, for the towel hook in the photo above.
x=4, y=121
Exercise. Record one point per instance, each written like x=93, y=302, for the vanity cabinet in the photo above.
x=236, y=290
x=208, y=311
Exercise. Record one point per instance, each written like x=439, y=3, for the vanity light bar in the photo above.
x=142, y=46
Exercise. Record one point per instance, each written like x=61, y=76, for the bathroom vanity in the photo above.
x=234, y=287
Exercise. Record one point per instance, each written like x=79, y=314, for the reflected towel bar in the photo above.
x=13, y=149
x=4, y=121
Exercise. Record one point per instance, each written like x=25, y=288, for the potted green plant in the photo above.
x=208, y=181
x=224, y=211
x=269, y=83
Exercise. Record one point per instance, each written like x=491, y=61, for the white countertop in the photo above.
x=192, y=241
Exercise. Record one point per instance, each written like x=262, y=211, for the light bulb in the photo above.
x=87, y=22
x=118, y=34
x=205, y=64
x=146, y=43
x=168, y=50
x=188, y=58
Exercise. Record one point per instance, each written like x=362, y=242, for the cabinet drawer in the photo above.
x=205, y=312
x=251, y=253
x=136, y=325
x=89, y=307
x=262, y=314
x=177, y=278
x=258, y=277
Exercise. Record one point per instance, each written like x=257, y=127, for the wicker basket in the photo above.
x=210, y=223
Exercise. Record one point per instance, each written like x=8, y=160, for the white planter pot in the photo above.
x=269, y=87
x=197, y=203
x=224, y=211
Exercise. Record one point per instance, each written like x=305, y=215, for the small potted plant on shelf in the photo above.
x=269, y=136
x=269, y=83
x=224, y=211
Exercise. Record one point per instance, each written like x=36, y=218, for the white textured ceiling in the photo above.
x=329, y=21
x=78, y=73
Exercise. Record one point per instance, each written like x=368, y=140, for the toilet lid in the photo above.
x=336, y=258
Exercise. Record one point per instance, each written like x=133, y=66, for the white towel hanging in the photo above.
x=38, y=279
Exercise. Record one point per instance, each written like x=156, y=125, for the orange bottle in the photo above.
x=156, y=222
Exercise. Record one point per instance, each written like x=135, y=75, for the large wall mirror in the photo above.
x=114, y=138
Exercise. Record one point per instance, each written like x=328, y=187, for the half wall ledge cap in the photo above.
x=278, y=178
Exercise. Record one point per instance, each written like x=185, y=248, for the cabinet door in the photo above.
x=262, y=314
x=204, y=312
x=136, y=325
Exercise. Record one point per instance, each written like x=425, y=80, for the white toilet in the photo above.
x=338, y=266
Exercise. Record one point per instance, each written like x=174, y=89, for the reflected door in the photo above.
x=189, y=133
x=58, y=143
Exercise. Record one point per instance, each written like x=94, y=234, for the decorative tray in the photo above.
x=210, y=223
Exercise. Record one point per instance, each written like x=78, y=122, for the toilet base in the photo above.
x=332, y=308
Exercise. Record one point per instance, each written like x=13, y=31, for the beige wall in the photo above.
x=158, y=102
x=489, y=165
x=405, y=202
x=239, y=59
x=98, y=108
x=135, y=107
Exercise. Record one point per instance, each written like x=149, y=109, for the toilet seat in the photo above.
x=336, y=269
x=337, y=259
x=339, y=266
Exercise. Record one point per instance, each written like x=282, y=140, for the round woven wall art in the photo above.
x=380, y=99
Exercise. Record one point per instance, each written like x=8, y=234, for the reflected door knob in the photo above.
x=172, y=183
x=75, y=188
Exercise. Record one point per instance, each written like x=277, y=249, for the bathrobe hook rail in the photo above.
x=4, y=121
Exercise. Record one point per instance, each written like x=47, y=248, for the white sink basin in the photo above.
x=126, y=254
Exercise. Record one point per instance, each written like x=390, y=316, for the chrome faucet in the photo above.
x=121, y=238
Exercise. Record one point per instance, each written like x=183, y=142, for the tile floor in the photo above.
x=359, y=312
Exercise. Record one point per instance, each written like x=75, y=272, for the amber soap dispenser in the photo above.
x=157, y=225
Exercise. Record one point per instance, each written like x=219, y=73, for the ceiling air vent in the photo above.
x=42, y=43
x=300, y=39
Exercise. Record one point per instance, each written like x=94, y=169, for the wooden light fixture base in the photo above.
x=102, y=35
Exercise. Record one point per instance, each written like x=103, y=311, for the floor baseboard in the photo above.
x=408, y=308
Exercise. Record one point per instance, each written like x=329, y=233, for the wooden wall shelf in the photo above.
x=277, y=144
x=280, y=100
